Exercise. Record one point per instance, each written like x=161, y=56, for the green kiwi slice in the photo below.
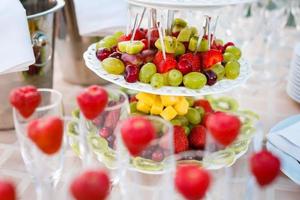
x=239, y=145
x=147, y=164
x=225, y=104
x=220, y=158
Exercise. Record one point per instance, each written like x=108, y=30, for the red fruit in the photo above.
x=148, y=55
x=159, y=57
x=105, y=132
x=204, y=104
x=157, y=155
x=181, y=142
x=112, y=118
x=103, y=53
x=204, y=120
x=197, y=137
x=154, y=35
x=227, y=45
x=25, y=99
x=131, y=59
x=137, y=133
x=166, y=65
x=117, y=55
x=131, y=73
x=7, y=190
x=139, y=34
x=133, y=99
x=192, y=181
x=92, y=101
x=184, y=66
x=91, y=185
x=210, y=58
x=265, y=167
x=194, y=59
x=223, y=127
x=46, y=133
x=124, y=38
x=145, y=42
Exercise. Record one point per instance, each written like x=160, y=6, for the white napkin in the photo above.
x=100, y=17
x=16, y=52
x=287, y=140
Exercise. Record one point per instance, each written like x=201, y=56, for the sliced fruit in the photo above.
x=147, y=98
x=211, y=58
x=169, y=42
x=143, y=107
x=168, y=100
x=147, y=164
x=168, y=113
x=184, y=35
x=182, y=107
x=225, y=104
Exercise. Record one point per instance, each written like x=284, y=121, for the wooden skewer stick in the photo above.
x=134, y=27
x=200, y=37
x=161, y=40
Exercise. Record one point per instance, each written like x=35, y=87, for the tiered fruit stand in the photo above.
x=238, y=148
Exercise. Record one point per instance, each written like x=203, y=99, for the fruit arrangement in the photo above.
x=182, y=58
x=191, y=120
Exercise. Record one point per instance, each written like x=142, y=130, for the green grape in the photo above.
x=193, y=116
x=113, y=66
x=134, y=47
x=187, y=130
x=102, y=44
x=228, y=57
x=157, y=80
x=203, y=47
x=232, y=70
x=165, y=75
x=235, y=51
x=183, y=120
x=147, y=72
x=201, y=111
x=191, y=101
x=132, y=106
x=118, y=34
x=174, y=77
x=110, y=40
x=219, y=71
x=176, y=122
x=194, y=80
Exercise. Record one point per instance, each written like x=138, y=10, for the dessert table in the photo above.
x=269, y=100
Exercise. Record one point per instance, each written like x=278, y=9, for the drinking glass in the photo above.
x=150, y=174
x=46, y=169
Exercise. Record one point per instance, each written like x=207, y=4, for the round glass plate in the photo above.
x=186, y=4
x=225, y=85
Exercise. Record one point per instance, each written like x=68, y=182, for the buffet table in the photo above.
x=268, y=100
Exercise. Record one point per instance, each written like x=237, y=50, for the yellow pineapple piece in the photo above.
x=168, y=100
x=141, y=106
x=168, y=113
x=157, y=107
x=182, y=106
x=146, y=98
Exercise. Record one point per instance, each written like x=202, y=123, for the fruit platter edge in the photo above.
x=94, y=64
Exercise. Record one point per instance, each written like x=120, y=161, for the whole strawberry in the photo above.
x=46, y=133
x=197, y=137
x=223, y=127
x=137, y=133
x=92, y=101
x=181, y=142
x=25, y=99
x=7, y=190
x=265, y=167
x=91, y=185
x=192, y=181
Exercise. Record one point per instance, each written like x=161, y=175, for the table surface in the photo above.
x=269, y=100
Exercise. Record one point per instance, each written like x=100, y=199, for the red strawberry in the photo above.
x=192, y=181
x=7, y=190
x=210, y=58
x=159, y=57
x=204, y=120
x=137, y=133
x=133, y=99
x=265, y=167
x=223, y=127
x=92, y=101
x=197, y=137
x=181, y=142
x=227, y=45
x=204, y=104
x=194, y=59
x=145, y=42
x=184, y=66
x=166, y=65
x=139, y=34
x=91, y=185
x=124, y=38
x=154, y=35
x=46, y=133
x=25, y=99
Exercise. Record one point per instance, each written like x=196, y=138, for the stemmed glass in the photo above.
x=151, y=173
x=46, y=169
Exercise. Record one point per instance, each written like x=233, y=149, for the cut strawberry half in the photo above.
x=204, y=104
x=194, y=59
x=211, y=58
x=159, y=57
x=166, y=65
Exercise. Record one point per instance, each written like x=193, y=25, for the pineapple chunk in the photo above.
x=157, y=107
x=182, y=106
x=141, y=106
x=146, y=98
x=168, y=113
x=168, y=100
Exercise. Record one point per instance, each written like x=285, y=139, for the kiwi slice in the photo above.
x=219, y=158
x=97, y=143
x=239, y=145
x=72, y=128
x=191, y=100
x=184, y=35
x=75, y=113
x=147, y=164
x=75, y=147
x=225, y=104
x=109, y=158
x=184, y=162
x=179, y=22
x=247, y=132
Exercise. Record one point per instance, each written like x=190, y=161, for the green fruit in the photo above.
x=232, y=70
x=97, y=143
x=113, y=66
x=174, y=77
x=71, y=127
x=203, y=47
x=179, y=22
x=169, y=42
x=219, y=42
x=194, y=80
x=122, y=46
x=175, y=122
x=219, y=71
x=187, y=130
x=132, y=106
x=118, y=34
x=109, y=158
x=134, y=47
x=102, y=44
x=235, y=51
x=76, y=113
x=201, y=111
x=193, y=116
x=228, y=57
x=194, y=30
x=165, y=75
x=219, y=158
x=184, y=35
x=147, y=72
x=183, y=120
x=247, y=132
x=180, y=49
x=146, y=164
x=110, y=41
x=191, y=101
x=239, y=146
x=176, y=29
x=225, y=104
x=157, y=80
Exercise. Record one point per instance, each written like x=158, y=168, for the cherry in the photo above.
x=211, y=77
x=102, y=53
x=131, y=73
x=116, y=54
